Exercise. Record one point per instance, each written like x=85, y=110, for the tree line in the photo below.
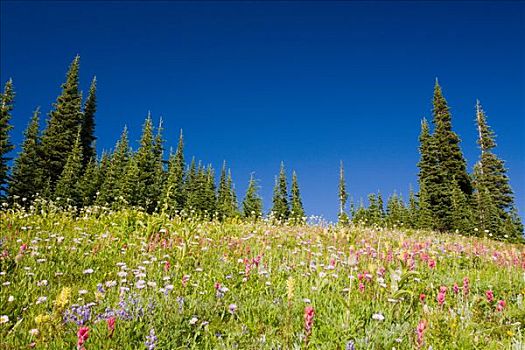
x=449, y=198
x=60, y=164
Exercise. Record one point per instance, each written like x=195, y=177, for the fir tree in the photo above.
x=462, y=216
x=148, y=164
x=115, y=171
x=234, y=207
x=297, y=211
x=129, y=185
x=88, y=124
x=280, y=209
x=209, y=203
x=89, y=183
x=343, y=196
x=252, y=203
x=60, y=133
x=27, y=177
x=412, y=208
x=494, y=196
x=223, y=194
x=67, y=189
x=191, y=188
x=7, y=99
x=450, y=157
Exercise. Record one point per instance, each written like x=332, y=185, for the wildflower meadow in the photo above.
x=130, y=280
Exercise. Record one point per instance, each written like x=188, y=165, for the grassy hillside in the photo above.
x=126, y=280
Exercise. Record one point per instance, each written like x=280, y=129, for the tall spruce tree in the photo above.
x=234, y=206
x=281, y=208
x=89, y=183
x=429, y=177
x=115, y=171
x=7, y=99
x=27, y=177
x=129, y=184
x=191, y=189
x=173, y=193
x=148, y=164
x=252, y=203
x=64, y=120
x=297, y=210
x=67, y=189
x=88, y=124
x=223, y=194
x=343, y=196
x=493, y=195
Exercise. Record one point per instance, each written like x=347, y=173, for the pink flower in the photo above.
x=23, y=247
x=82, y=336
x=456, y=288
x=111, y=325
x=441, y=295
x=490, y=296
x=431, y=263
x=420, y=330
x=308, y=319
x=465, y=286
x=185, y=280
x=422, y=297
x=167, y=266
x=217, y=286
x=361, y=287
x=501, y=305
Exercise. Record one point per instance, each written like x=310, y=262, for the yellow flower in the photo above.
x=63, y=298
x=42, y=319
x=510, y=333
x=290, y=286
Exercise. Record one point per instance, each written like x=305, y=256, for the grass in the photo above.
x=172, y=284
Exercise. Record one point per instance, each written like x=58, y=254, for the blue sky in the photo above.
x=309, y=83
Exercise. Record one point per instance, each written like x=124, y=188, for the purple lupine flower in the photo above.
x=350, y=345
x=100, y=288
x=151, y=340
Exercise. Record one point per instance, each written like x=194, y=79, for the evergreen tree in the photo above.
x=297, y=211
x=147, y=162
x=191, y=189
x=280, y=209
x=27, y=177
x=223, y=194
x=60, y=133
x=89, y=183
x=429, y=177
x=343, y=196
x=209, y=204
x=129, y=185
x=493, y=194
x=110, y=190
x=450, y=157
x=88, y=124
x=412, y=209
x=234, y=207
x=7, y=99
x=462, y=216
x=67, y=189
x=252, y=203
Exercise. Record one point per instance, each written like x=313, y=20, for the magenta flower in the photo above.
x=490, y=295
x=456, y=288
x=111, y=325
x=82, y=336
x=308, y=319
x=501, y=305
x=420, y=330
x=465, y=286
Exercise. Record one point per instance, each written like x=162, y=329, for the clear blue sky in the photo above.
x=309, y=83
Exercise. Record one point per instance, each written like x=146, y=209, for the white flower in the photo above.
x=41, y=300
x=140, y=284
x=152, y=284
x=82, y=292
x=192, y=321
x=378, y=317
x=4, y=319
x=11, y=299
x=88, y=271
x=34, y=332
x=42, y=283
x=122, y=274
x=306, y=300
x=110, y=284
x=6, y=283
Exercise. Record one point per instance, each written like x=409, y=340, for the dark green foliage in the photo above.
x=226, y=198
x=493, y=195
x=297, y=211
x=462, y=216
x=128, y=195
x=450, y=157
x=27, y=177
x=281, y=208
x=88, y=124
x=252, y=203
x=412, y=209
x=7, y=99
x=173, y=194
x=67, y=189
x=116, y=171
x=397, y=214
x=90, y=182
x=64, y=121
x=343, y=196
x=147, y=158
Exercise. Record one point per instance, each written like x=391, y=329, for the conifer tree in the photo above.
x=252, y=203
x=234, y=207
x=223, y=194
x=297, y=211
x=462, y=216
x=89, y=183
x=27, y=177
x=67, y=189
x=429, y=177
x=129, y=185
x=280, y=209
x=7, y=99
x=88, y=124
x=450, y=157
x=412, y=208
x=343, y=196
x=64, y=120
x=209, y=204
x=116, y=171
x=191, y=188
x=147, y=162
x=493, y=194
